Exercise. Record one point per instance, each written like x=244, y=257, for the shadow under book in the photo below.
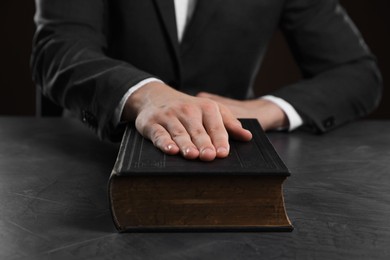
x=152, y=191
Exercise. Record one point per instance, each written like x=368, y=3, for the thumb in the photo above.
x=233, y=125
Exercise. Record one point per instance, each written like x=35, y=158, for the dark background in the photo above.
x=17, y=91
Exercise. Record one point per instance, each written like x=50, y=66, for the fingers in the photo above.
x=170, y=137
x=160, y=138
x=183, y=138
x=230, y=121
x=214, y=125
x=205, y=129
x=182, y=130
x=237, y=132
x=200, y=138
x=234, y=126
x=195, y=127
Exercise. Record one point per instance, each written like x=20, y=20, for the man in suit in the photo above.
x=183, y=69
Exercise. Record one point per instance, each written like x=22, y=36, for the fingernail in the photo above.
x=207, y=150
x=187, y=150
x=207, y=154
x=222, y=150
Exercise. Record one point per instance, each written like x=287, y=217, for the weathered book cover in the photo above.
x=152, y=191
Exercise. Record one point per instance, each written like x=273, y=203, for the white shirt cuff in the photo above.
x=119, y=109
x=294, y=118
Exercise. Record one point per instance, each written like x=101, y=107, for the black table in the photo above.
x=53, y=198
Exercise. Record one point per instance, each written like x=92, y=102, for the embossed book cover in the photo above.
x=152, y=191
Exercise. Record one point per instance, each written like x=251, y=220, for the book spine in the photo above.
x=118, y=166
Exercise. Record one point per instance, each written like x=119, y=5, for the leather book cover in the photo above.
x=149, y=190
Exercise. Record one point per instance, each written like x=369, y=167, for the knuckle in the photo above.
x=180, y=109
x=186, y=109
x=175, y=133
x=149, y=131
x=217, y=129
x=209, y=106
x=168, y=113
x=158, y=134
x=197, y=132
x=218, y=132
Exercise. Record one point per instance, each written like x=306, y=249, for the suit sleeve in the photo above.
x=341, y=81
x=70, y=63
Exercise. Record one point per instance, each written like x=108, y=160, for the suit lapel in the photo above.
x=166, y=9
x=203, y=14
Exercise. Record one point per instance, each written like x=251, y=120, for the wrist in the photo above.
x=271, y=116
x=294, y=120
x=139, y=99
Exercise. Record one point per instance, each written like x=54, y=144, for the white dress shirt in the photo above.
x=183, y=11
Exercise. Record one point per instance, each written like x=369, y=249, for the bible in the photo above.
x=151, y=191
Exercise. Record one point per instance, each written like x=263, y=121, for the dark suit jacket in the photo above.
x=87, y=53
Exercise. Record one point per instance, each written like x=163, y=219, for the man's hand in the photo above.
x=176, y=122
x=267, y=113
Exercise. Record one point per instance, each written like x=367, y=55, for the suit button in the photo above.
x=89, y=119
x=329, y=122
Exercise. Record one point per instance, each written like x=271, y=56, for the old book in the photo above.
x=151, y=191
